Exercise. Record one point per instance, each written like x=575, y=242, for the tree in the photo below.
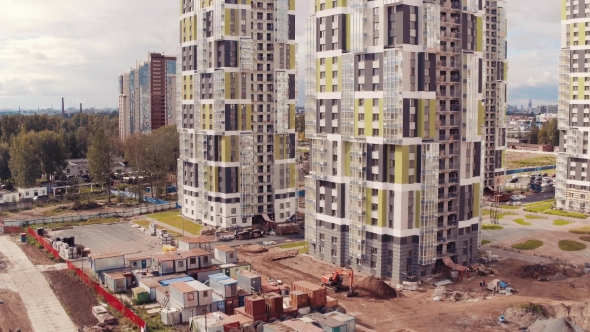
x=24, y=162
x=135, y=154
x=4, y=162
x=300, y=123
x=161, y=156
x=51, y=150
x=100, y=158
x=552, y=132
x=534, y=133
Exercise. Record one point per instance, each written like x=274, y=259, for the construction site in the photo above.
x=196, y=284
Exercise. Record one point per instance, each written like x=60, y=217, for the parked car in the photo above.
x=514, y=180
x=545, y=174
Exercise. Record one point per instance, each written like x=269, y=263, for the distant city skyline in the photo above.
x=46, y=54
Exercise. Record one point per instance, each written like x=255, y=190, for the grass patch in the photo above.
x=540, y=202
x=539, y=207
x=509, y=207
x=582, y=230
x=520, y=160
x=491, y=227
x=532, y=307
x=484, y=242
x=91, y=221
x=294, y=245
x=585, y=238
x=146, y=224
x=174, y=219
x=566, y=214
x=504, y=214
x=570, y=245
x=486, y=212
x=534, y=216
x=522, y=222
x=528, y=245
x=560, y=222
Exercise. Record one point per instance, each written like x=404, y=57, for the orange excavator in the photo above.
x=335, y=281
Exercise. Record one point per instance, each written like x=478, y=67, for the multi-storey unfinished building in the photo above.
x=572, y=189
x=495, y=79
x=147, y=95
x=236, y=112
x=395, y=112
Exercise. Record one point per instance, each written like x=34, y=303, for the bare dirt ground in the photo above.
x=35, y=255
x=13, y=313
x=76, y=298
x=5, y=264
x=417, y=311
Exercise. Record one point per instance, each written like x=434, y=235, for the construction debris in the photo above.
x=555, y=325
x=482, y=270
x=376, y=288
x=252, y=248
x=102, y=315
x=535, y=271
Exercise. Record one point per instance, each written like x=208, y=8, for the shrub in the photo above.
x=484, y=242
x=566, y=214
x=534, y=216
x=560, y=222
x=581, y=230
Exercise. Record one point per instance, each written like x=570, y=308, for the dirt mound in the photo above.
x=558, y=277
x=555, y=325
x=535, y=271
x=252, y=248
x=376, y=288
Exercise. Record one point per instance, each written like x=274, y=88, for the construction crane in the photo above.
x=335, y=281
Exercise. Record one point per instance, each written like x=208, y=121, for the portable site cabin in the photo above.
x=202, y=274
x=118, y=282
x=186, y=298
x=168, y=282
x=140, y=295
x=139, y=263
x=223, y=285
x=249, y=281
x=302, y=325
x=226, y=254
x=196, y=258
x=329, y=324
x=231, y=270
x=106, y=262
x=194, y=242
x=168, y=263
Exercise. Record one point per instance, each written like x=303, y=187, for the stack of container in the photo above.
x=316, y=295
x=152, y=230
x=249, y=281
x=255, y=308
x=274, y=304
x=227, y=289
x=298, y=300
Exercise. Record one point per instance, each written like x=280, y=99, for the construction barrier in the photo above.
x=112, y=300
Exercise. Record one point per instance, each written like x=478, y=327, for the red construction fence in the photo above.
x=108, y=297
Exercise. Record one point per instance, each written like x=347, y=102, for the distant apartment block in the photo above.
x=147, y=95
x=236, y=112
x=396, y=110
x=572, y=190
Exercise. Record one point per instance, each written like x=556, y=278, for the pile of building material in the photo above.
x=482, y=270
x=102, y=315
x=151, y=231
x=489, y=257
x=65, y=250
x=286, y=228
x=275, y=256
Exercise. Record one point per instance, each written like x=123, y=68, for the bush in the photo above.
x=585, y=238
x=539, y=207
x=491, y=227
x=522, y=222
x=528, y=245
x=532, y=307
x=484, y=242
x=566, y=214
x=570, y=245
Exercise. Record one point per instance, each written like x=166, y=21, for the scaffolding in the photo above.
x=310, y=78
x=218, y=19
x=310, y=209
x=431, y=34
x=357, y=200
x=429, y=203
x=393, y=115
x=347, y=100
x=564, y=90
x=247, y=175
x=218, y=102
x=282, y=96
x=282, y=21
x=203, y=173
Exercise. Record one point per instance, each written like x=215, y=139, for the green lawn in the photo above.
x=509, y=207
x=566, y=214
x=522, y=222
x=582, y=230
x=174, y=219
x=484, y=242
x=585, y=238
x=146, y=224
x=560, y=222
x=539, y=207
x=534, y=216
x=491, y=227
x=528, y=245
x=529, y=160
x=569, y=245
x=294, y=245
x=486, y=212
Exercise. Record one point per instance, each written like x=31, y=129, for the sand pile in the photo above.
x=252, y=248
x=558, y=277
x=376, y=287
x=554, y=325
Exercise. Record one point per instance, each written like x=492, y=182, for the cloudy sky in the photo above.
x=76, y=49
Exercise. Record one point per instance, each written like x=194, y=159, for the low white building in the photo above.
x=9, y=196
x=226, y=254
x=32, y=192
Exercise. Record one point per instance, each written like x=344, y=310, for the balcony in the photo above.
x=449, y=153
x=448, y=181
x=447, y=196
x=449, y=123
x=447, y=138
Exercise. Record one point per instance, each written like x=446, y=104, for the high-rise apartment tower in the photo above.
x=395, y=112
x=495, y=79
x=236, y=112
x=147, y=95
x=572, y=190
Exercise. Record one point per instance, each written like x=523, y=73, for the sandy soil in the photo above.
x=416, y=311
x=13, y=313
x=76, y=298
x=36, y=256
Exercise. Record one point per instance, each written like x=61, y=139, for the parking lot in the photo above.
x=128, y=240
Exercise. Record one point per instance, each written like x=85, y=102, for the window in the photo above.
x=205, y=293
x=193, y=260
x=180, y=264
x=231, y=255
x=190, y=297
x=334, y=240
x=322, y=237
x=333, y=253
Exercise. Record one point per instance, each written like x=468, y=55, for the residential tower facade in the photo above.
x=572, y=190
x=397, y=130
x=147, y=95
x=236, y=111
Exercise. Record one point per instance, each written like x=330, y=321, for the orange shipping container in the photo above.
x=316, y=295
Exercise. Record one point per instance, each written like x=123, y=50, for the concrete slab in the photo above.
x=46, y=314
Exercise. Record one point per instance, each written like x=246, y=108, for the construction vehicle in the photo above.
x=335, y=282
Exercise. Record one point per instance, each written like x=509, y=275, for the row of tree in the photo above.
x=547, y=134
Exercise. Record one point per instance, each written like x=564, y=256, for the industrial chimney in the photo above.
x=63, y=108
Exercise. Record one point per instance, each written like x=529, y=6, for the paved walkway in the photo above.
x=45, y=311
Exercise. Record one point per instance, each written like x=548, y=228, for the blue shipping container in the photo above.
x=175, y=280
